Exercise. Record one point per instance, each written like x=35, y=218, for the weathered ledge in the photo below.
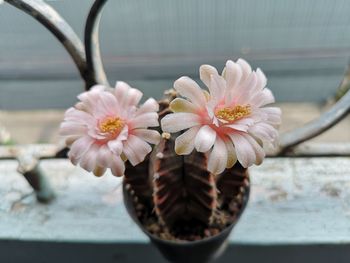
x=299, y=210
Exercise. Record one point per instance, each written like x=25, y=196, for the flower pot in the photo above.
x=204, y=250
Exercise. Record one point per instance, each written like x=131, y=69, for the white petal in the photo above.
x=71, y=128
x=117, y=166
x=205, y=72
x=273, y=115
x=262, y=98
x=233, y=75
x=78, y=116
x=149, y=119
x=150, y=105
x=150, y=136
x=205, y=139
x=134, y=97
x=184, y=144
x=238, y=127
x=262, y=80
x=244, y=94
x=190, y=89
x=121, y=92
x=116, y=146
x=104, y=156
x=265, y=132
x=136, y=149
x=218, y=157
x=182, y=105
x=217, y=88
x=179, y=121
x=88, y=160
x=231, y=154
x=259, y=151
x=79, y=148
x=244, y=150
x=246, y=68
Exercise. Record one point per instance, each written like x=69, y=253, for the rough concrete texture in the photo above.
x=293, y=201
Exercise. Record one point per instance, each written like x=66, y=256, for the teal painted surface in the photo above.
x=300, y=201
x=302, y=45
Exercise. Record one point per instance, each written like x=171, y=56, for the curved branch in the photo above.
x=48, y=17
x=95, y=69
x=320, y=125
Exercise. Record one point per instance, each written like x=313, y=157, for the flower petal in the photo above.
x=150, y=105
x=184, y=144
x=104, y=156
x=117, y=166
x=217, y=89
x=134, y=97
x=273, y=115
x=116, y=146
x=88, y=160
x=231, y=154
x=72, y=128
x=182, y=105
x=190, y=89
x=121, y=91
x=136, y=149
x=246, y=68
x=265, y=132
x=262, y=98
x=179, y=121
x=109, y=102
x=218, y=157
x=79, y=148
x=90, y=97
x=205, y=139
x=244, y=94
x=262, y=80
x=205, y=72
x=238, y=127
x=232, y=74
x=150, y=136
x=148, y=119
x=78, y=116
x=259, y=151
x=244, y=150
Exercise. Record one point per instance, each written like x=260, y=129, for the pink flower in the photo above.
x=229, y=121
x=107, y=127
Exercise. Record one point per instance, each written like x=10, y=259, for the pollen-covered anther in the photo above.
x=111, y=125
x=235, y=113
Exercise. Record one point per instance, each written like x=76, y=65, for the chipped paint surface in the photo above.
x=293, y=200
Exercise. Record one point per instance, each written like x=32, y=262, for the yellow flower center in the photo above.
x=111, y=125
x=235, y=113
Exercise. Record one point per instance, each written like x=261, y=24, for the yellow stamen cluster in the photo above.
x=232, y=114
x=111, y=125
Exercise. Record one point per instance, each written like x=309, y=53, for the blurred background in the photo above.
x=302, y=46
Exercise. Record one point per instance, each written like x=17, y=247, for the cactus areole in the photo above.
x=187, y=192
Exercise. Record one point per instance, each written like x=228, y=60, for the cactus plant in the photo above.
x=194, y=182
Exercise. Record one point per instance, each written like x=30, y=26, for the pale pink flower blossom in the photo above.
x=230, y=122
x=107, y=127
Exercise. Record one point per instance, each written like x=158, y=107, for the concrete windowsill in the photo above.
x=298, y=207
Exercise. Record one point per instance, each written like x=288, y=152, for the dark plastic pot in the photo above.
x=200, y=251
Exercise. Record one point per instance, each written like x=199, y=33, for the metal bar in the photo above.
x=29, y=167
x=320, y=125
x=95, y=68
x=48, y=17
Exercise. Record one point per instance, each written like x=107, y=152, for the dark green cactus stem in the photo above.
x=183, y=188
